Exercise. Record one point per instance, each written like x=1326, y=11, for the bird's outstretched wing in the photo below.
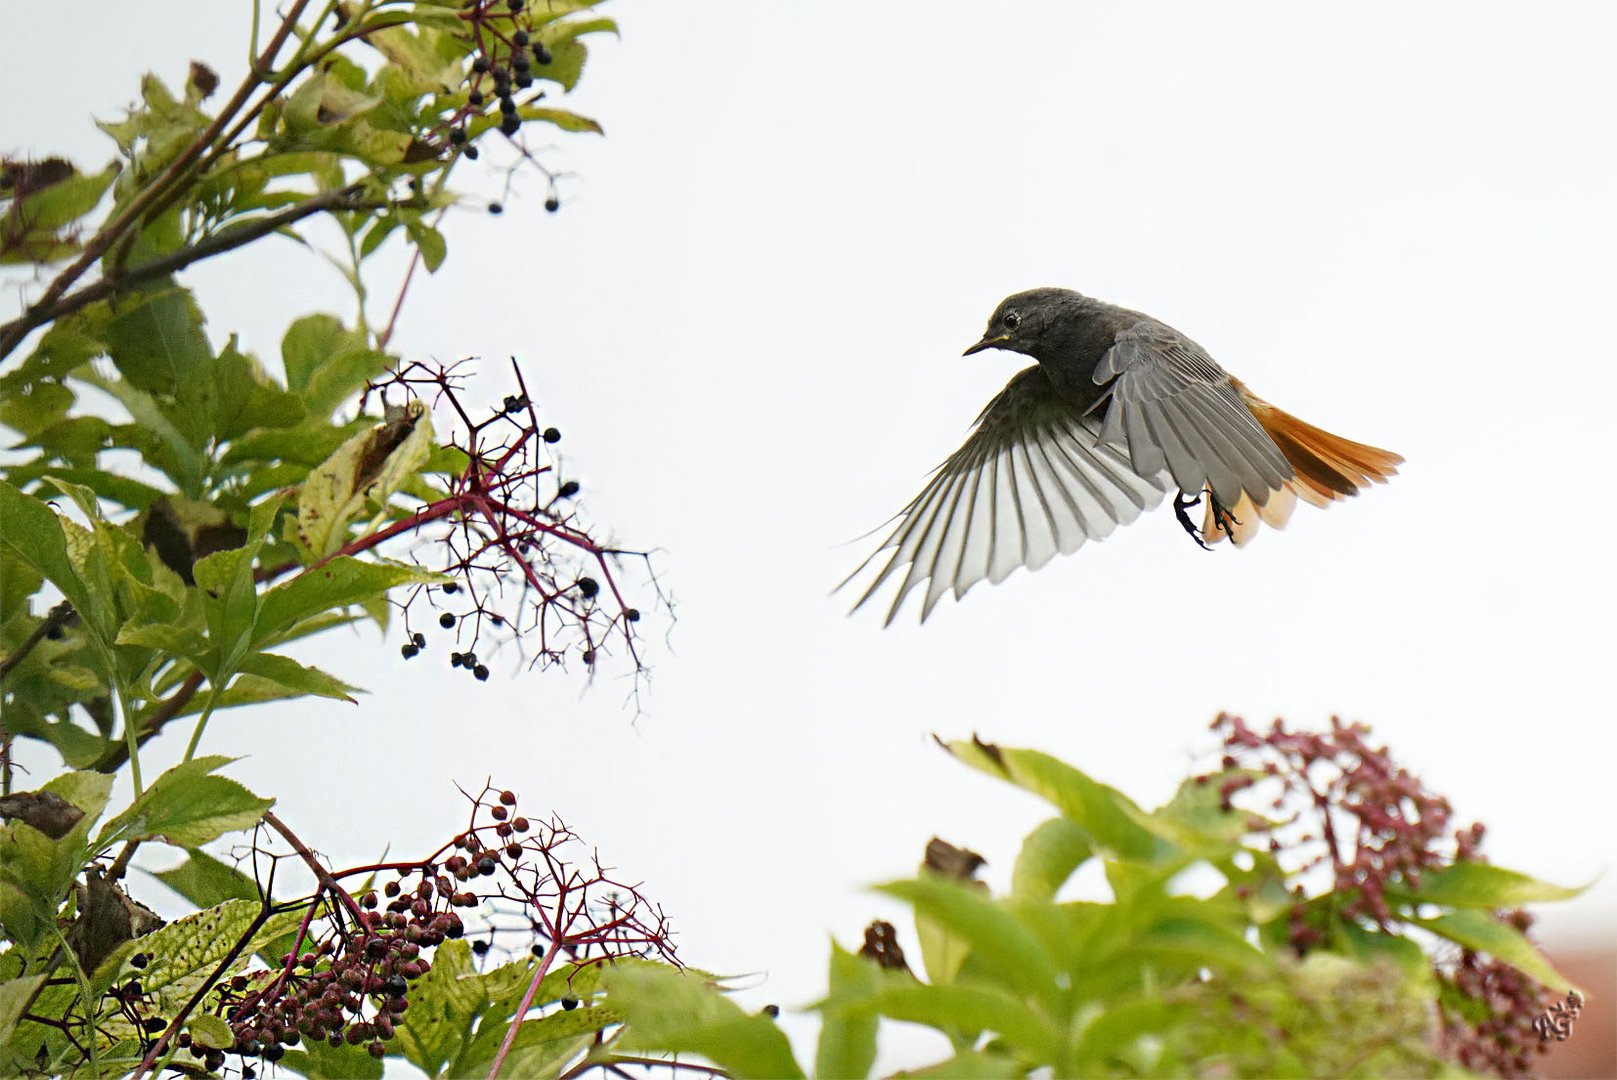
x=1173, y=408
x=1031, y=481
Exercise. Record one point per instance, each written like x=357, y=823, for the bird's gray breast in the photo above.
x=1069, y=352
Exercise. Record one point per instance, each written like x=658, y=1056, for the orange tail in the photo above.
x=1328, y=468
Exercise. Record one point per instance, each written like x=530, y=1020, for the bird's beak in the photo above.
x=987, y=343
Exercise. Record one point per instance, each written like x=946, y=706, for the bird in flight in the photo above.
x=1119, y=410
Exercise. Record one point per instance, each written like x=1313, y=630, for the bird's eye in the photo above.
x=1011, y=319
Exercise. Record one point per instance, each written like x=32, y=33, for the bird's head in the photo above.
x=1023, y=320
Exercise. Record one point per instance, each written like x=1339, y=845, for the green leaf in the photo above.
x=429, y=241
x=318, y=1060
x=326, y=363
x=285, y=672
x=1479, y=885
x=670, y=1011
x=156, y=339
x=1109, y=817
x=1049, y=856
x=363, y=473
x=340, y=582
x=35, y=408
x=177, y=641
x=187, y=807
x=15, y=996
x=971, y=1065
x=210, y=1032
x=996, y=937
x=848, y=1027
x=1481, y=932
x=567, y=121
x=186, y=952
x=970, y=1010
x=205, y=881
x=35, y=535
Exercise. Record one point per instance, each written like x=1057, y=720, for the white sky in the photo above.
x=1395, y=221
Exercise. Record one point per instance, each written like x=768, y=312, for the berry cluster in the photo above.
x=522, y=567
x=1352, y=808
x=1345, y=804
x=508, y=52
x=356, y=958
x=1511, y=1031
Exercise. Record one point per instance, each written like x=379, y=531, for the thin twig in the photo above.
x=330, y=201
x=54, y=619
x=12, y=334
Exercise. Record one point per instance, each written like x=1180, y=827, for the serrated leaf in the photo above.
x=562, y=118
x=429, y=241
x=1106, y=814
x=186, y=952
x=63, y=202
x=1481, y=932
x=339, y=583
x=971, y=1009
x=362, y=473
x=671, y=1011
x=1049, y=856
x=175, y=640
x=205, y=881
x=210, y=1032
x=848, y=1021
x=995, y=936
x=285, y=672
x=1479, y=885
x=187, y=807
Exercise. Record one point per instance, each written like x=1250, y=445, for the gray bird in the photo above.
x=1119, y=410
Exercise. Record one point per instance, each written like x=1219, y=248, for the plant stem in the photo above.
x=345, y=199
x=12, y=334
x=202, y=722
x=527, y=1002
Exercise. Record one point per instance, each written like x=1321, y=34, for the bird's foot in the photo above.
x=1222, y=518
x=1181, y=503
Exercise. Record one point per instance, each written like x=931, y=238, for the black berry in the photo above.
x=480, y=673
x=541, y=55
x=569, y=1003
x=457, y=136
x=520, y=37
x=588, y=587
x=632, y=614
x=481, y=64
x=480, y=947
x=409, y=651
x=772, y=1011
x=510, y=124
x=450, y=588
x=567, y=490
x=419, y=639
x=552, y=204
x=471, y=153
x=475, y=98
x=552, y=435
x=446, y=620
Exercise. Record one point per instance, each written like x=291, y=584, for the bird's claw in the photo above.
x=1222, y=518
x=1181, y=503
